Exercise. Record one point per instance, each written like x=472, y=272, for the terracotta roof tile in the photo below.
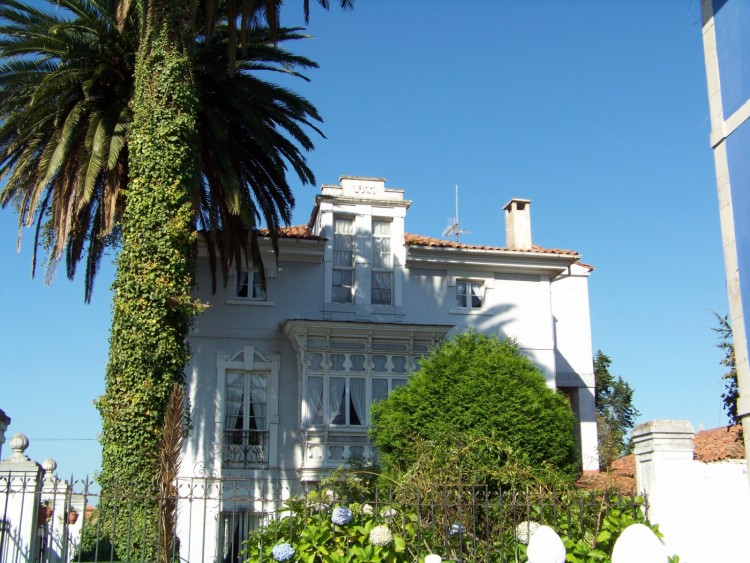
x=297, y=231
x=620, y=477
x=720, y=443
x=304, y=232
x=419, y=240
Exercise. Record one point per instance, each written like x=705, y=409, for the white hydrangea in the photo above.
x=525, y=530
x=381, y=536
x=368, y=510
x=388, y=513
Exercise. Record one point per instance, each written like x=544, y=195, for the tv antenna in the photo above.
x=454, y=227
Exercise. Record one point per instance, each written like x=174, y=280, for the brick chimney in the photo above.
x=518, y=224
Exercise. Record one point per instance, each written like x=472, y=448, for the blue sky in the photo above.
x=595, y=110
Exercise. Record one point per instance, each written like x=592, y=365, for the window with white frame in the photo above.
x=347, y=401
x=246, y=418
x=469, y=294
x=343, y=260
x=249, y=286
x=382, y=264
x=342, y=384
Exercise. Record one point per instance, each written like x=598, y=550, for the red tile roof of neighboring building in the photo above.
x=720, y=443
x=419, y=240
x=717, y=444
x=620, y=477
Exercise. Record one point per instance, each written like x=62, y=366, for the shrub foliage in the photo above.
x=471, y=387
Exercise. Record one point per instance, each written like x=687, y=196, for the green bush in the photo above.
x=483, y=396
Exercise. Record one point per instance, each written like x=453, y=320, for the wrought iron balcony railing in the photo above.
x=245, y=449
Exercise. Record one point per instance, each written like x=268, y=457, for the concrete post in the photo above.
x=659, y=446
x=56, y=493
x=664, y=459
x=20, y=490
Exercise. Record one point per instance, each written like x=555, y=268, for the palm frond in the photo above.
x=66, y=82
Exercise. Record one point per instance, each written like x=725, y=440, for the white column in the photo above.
x=20, y=490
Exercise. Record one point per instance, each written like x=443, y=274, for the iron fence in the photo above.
x=234, y=520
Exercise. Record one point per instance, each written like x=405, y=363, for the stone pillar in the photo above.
x=661, y=447
x=20, y=503
x=56, y=494
x=664, y=473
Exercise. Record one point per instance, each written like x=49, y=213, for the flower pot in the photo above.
x=72, y=517
x=45, y=513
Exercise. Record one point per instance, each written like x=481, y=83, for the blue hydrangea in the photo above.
x=341, y=516
x=456, y=529
x=282, y=552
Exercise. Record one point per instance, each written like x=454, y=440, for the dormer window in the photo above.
x=343, y=260
x=382, y=264
x=249, y=286
x=469, y=294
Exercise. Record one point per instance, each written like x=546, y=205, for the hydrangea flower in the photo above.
x=381, y=536
x=368, y=510
x=341, y=516
x=388, y=513
x=525, y=530
x=282, y=552
x=456, y=529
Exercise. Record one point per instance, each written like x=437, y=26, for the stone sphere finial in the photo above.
x=49, y=465
x=19, y=443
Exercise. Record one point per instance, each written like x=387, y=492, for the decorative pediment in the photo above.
x=247, y=359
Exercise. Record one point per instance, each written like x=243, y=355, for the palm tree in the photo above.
x=107, y=135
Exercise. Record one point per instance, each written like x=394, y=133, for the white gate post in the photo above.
x=20, y=489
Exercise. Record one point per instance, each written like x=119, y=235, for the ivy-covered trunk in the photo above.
x=152, y=303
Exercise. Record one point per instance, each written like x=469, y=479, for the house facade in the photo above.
x=282, y=375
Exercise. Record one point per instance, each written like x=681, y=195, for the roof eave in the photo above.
x=512, y=261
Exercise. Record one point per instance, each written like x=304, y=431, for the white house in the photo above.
x=281, y=378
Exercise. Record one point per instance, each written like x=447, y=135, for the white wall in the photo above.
x=703, y=509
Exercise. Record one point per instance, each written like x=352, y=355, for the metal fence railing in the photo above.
x=233, y=520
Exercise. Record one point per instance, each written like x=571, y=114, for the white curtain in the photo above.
x=235, y=398
x=381, y=244
x=359, y=402
x=258, y=402
x=379, y=389
x=314, y=412
x=461, y=294
x=336, y=398
x=476, y=294
x=343, y=242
